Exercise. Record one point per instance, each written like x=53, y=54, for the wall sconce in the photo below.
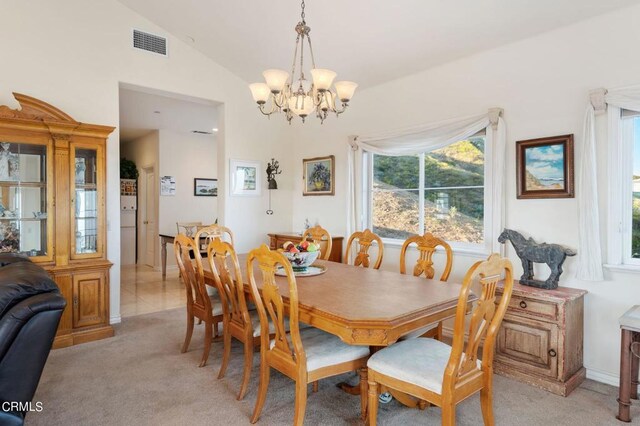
x=273, y=169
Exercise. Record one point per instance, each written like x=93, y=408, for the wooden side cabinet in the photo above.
x=276, y=240
x=540, y=341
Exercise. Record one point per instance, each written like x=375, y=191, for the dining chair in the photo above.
x=205, y=234
x=363, y=240
x=238, y=320
x=188, y=228
x=427, y=245
x=445, y=375
x=304, y=355
x=200, y=304
x=322, y=237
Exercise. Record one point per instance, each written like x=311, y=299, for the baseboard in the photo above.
x=603, y=377
x=115, y=320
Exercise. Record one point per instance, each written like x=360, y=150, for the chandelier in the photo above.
x=301, y=97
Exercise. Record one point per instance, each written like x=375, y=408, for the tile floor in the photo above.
x=143, y=291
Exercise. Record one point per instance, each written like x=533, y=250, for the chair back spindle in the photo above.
x=322, y=237
x=364, y=240
x=193, y=275
x=272, y=306
x=427, y=245
x=485, y=320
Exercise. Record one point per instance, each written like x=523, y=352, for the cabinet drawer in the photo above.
x=533, y=308
x=529, y=345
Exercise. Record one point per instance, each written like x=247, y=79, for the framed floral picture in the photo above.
x=544, y=167
x=245, y=178
x=319, y=176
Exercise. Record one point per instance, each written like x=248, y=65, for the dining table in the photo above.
x=365, y=306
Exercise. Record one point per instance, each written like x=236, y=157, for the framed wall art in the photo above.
x=245, y=178
x=544, y=167
x=205, y=187
x=319, y=175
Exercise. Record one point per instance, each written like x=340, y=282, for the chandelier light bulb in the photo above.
x=260, y=92
x=301, y=105
x=322, y=78
x=276, y=79
x=345, y=90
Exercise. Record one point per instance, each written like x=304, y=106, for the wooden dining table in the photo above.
x=364, y=306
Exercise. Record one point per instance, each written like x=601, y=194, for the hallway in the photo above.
x=142, y=291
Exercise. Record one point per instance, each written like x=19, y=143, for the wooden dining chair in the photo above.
x=363, y=240
x=239, y=322
x=445, y=375
x=427, y=245
x=322, y=237
x=200, y=304
x=188, y=228
x=205, y=234
x=303, y=355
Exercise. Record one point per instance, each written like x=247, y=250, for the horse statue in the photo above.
x=529, y=251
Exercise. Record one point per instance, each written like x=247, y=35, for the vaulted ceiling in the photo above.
x=367, y=41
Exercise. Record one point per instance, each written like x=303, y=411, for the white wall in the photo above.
x=542, y=83
x=74, y=53
x=186, y=156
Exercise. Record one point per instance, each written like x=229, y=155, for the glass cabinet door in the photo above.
x=86, y=178
x=25, y=200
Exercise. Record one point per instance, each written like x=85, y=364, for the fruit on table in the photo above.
x=303, y=246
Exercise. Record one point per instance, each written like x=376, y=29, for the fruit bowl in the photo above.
x=301, y=260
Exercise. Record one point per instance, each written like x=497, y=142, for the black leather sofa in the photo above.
x=30, y=309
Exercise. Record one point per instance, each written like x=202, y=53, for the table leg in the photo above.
x=624, y=409
x=163, y=245
x=635, y=363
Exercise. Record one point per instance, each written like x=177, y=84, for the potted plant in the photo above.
x=128, y=169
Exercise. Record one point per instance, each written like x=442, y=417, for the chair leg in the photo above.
x=635, y=364
x=215, y=329
x=486, y=404
x=314, y=386
x=208, y=337
x=438, y=335
x=364, y=392
x=226, y=352
x=301, y=402
x=248, y=364
x=624, y=404
x=449, y=414
x=187, y=338
x=262, y=389
x=373, y=403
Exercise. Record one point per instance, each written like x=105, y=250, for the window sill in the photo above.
x=635, y=269
x=479, y=253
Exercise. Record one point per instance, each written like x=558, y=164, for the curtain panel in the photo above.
x=426, y=138
x=590, y=251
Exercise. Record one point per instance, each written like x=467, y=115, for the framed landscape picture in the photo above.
x=544, y=167
x=245, y=178
x=205, y=187
x=319, y=176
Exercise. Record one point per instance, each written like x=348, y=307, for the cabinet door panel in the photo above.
x=89, y=299
x=528, y=344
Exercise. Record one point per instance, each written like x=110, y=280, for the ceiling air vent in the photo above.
x=149, y=42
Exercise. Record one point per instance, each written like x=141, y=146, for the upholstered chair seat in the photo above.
x=419, y=361
x=324, y=349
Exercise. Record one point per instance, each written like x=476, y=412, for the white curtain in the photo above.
x=590, y=252
x=417, y=140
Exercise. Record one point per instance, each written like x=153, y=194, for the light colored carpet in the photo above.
x=139, y=377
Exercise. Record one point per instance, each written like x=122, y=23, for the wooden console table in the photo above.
x=276, y=240
x=540, y=341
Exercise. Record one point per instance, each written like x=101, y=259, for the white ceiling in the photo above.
x=144, y=110
x=367, y=41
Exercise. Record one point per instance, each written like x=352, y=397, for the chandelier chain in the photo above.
x=302, y=13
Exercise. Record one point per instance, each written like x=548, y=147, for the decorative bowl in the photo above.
x=301, y=260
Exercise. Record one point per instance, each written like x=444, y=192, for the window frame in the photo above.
x=620, y=166
x=479, y=249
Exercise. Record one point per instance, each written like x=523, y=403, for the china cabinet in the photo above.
x=52, y=208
